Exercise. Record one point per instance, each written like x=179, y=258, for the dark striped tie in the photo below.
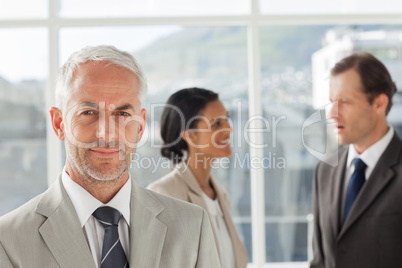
x=113, y=255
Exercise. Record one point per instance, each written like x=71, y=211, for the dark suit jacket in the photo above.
x=372, y=233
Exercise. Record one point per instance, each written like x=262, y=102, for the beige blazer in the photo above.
x=164, y=232
x=180, y=183
x=371, y=236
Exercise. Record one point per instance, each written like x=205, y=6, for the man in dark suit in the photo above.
x=358, y=203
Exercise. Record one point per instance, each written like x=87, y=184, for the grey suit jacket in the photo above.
x=371, y=236
x=164, y=232
x=180, y=183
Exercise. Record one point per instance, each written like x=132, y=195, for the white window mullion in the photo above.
x=54, y=150
x=256, y=173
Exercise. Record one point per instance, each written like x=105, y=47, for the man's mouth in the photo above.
x=105, y=152
x=339, y=128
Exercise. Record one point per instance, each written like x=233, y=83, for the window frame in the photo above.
x=253, y=21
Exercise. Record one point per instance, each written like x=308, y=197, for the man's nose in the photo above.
x=106, y=130
x=333, y=110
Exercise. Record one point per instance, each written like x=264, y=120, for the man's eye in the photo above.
x=90, y=112
x=123, y=114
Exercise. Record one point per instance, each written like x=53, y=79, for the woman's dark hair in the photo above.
x=179, y=114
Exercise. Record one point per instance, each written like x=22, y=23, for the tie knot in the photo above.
x=359, y=164
x=107, y=216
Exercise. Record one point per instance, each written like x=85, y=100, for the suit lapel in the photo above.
x=195, y=191
x=338, y=182
x=62, y=232
x=381, y=176
x=147, y=232
x=240, y=253
x=197, y=199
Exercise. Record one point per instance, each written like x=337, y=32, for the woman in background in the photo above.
x=195, y=131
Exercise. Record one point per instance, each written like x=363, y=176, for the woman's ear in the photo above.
x=189, y=136
x=185, y=135
x=56, y=117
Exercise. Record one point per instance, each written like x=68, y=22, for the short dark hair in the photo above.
x=374, y=75
x=180, y=114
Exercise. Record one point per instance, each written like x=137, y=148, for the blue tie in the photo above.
x=113, y=255
x=356, y=182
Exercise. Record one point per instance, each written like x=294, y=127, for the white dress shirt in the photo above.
x=85, y=204
x=226, y=251
x=370, y=157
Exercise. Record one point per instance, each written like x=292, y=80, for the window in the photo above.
x=23, y=72
x=23, y=9
x=269, y=62
x=137, y=8
x=318, y=7
x=176, y=57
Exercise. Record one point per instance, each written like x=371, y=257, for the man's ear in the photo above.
x=56, y=117
x=381, y=103
x=142, y=124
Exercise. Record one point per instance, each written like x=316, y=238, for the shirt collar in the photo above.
x=371, y=155
x=85, y=204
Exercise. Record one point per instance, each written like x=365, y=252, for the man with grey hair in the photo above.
x=94, y=214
